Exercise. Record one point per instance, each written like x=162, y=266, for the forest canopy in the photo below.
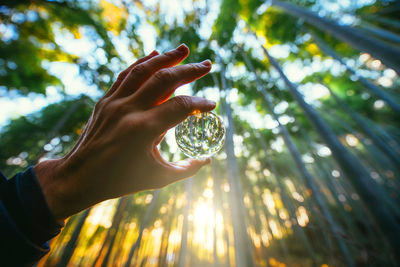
x=309, y=94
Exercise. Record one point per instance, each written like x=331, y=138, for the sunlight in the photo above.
x=351, y=140
x=322, y=150
x=203, y=229
x=203, y=215
x=242, y=195
x=275, y=230
x=102, y=214
x=174, y=238
x=265, y=237
x=269, y=201
x=302, y=217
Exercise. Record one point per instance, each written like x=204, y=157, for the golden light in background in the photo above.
x=102, y=214
x=203, y=223
x=269, y=201
x=302, y=217
x=351, y=140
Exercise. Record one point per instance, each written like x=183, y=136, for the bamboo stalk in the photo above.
x=376, y=90
x=243, y=253
x=301, y=167
x=371, y=193
x=389, y=55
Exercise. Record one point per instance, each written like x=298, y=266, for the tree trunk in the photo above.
x=185, y=227
x=243, y=252
x=378, y=32
x=73, y=241
x=144, y=223
x=387, y=21
x=367, y=130
x=385, y=135
x=371, y=193
x=316, y=194
x=119, y=221
x=369, y=85
x=167, y=229
x=217, y=207
x=103, y=254
x=256, y=205
x=373, y=158
x=389, y=55
x=287, y=203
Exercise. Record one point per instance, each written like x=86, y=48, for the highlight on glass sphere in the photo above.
x=201, y=135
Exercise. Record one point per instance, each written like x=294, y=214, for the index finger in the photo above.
x=164, y=82
x=176, y=109
x=125, y=72
x=142, y=72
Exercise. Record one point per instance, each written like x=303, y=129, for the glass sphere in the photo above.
x=201, y=135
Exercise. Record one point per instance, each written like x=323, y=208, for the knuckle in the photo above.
x=172, y=54
x=107, y=109
x=139, y=69
x=149, y=124
x=113, y=108
x=120, y=106
x=100, y=104
x=184, y=102
x=193, y=66
x=141, y=123
x=121, y=75
x=164, y=75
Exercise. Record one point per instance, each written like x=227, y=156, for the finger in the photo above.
x=162, y=85
x=174, y=171
x=124, y=73
x=159, y=139
x=176, y=109
x=185, y=168
x=142, y=72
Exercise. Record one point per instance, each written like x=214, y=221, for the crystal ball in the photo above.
x=201, y=135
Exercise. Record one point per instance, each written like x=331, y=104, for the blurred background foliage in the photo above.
x=310, y=171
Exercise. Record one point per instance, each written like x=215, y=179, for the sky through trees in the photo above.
x=309, y=93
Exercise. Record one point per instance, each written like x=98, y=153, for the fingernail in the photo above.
x=154, y=52
x=211, y=103
x=182, y=48
x=206, y=63
x=205, y=161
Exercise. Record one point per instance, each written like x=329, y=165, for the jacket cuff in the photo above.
x=44, y=225
x=25, y=211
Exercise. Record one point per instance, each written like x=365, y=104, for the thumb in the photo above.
x=178, y=108
x=185, y=168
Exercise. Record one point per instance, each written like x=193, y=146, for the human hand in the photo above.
x=117, y=152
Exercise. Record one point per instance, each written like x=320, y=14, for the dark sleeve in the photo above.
x=26, y=223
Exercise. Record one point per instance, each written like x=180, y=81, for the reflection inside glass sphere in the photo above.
x=201, y=135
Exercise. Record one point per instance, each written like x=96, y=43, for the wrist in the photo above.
x=51, y=182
